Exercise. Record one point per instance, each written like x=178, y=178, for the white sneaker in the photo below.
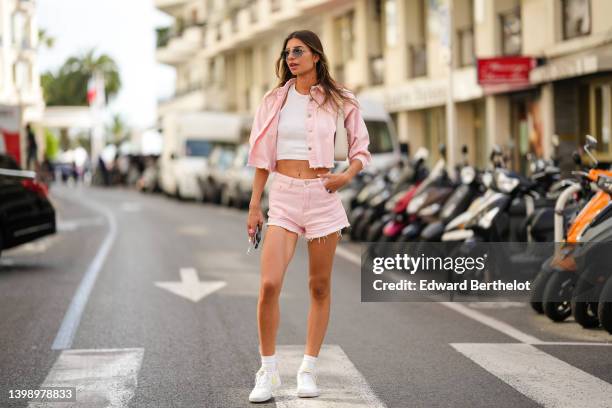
x=307, y=383
x=265, y=383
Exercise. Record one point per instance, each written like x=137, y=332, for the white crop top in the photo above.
x=291, y=137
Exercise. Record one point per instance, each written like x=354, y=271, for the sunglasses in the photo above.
x=297, y=52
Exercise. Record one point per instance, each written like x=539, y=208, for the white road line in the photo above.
x=570, y=343
x=540, y=376
x=493, y=323
x=340, y=383
x=102, y=378
x=348, y=255
x=459, y=308
x=72, y=318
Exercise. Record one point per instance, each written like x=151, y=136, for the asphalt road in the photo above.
x=100, y=307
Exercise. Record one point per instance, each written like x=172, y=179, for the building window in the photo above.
x=22, y=75
x=377, y=69
x=465, y=46
x=576, y=18
x=345, y=36
x=511, y=32
x=253, y=11
x=601, y=116
x=275, y=5
x=391, y=33
x=418, y=60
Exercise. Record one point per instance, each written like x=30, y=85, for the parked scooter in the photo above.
x=403, y=217
x=374, y=208
x=376, y=186
x=425, y=205
x=469, y=189
x=559, y=288
x=388, y=209
x=604, y=309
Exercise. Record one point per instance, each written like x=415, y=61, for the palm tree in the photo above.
x=69, y=85
x=45, y=39
x=118, y=128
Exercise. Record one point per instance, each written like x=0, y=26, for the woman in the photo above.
x=293, y=136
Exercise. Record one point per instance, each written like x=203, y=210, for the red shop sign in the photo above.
x=504, y=70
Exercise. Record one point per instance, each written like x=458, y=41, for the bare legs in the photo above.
x=278, y=249
x=321, y=258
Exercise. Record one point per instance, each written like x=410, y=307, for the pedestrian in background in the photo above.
x=293, y=137
x=32, y=149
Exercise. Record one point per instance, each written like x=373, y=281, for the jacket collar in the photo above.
x=317, y=87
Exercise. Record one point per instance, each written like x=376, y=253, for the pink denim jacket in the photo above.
x=321, y=126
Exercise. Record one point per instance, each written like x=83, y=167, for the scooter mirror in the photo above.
x=442, y=149
x=591, y=141
x=577, y=159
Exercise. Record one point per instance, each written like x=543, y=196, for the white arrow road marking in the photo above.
x=540, y=376
x=340, y=383
x=190, y=286
x=102, y=378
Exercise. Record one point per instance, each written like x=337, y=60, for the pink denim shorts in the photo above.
x=305, y=207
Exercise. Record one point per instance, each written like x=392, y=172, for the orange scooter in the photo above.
x=558, y=276
x=562, y=260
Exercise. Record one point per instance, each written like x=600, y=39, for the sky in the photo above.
x=122, y=29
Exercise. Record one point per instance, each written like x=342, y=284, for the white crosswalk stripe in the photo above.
x=339, y=381
x=102, y=377
x=540, y=376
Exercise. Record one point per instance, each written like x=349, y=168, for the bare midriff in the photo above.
x=299, y=169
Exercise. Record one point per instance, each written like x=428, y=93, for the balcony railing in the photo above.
x=417, y=64
x=193, y=87
x=377, y=70
x=165, y=34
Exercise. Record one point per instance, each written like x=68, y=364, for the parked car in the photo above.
x=188, y=141
x=25, y=211
x=238, y=180
x=212, y=176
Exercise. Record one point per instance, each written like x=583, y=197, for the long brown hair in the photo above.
x=333, y=91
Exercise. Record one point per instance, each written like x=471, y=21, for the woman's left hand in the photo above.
x=333, y=181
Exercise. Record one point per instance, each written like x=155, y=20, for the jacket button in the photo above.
x=309, y=148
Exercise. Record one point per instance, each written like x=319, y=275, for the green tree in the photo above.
x=68, y=86
x=118, y=129
x=44, y=39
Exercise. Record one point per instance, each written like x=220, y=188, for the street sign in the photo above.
x=505, y=70
x=10, y=136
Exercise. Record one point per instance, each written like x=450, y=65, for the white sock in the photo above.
x=308, y=362
x=269, y=363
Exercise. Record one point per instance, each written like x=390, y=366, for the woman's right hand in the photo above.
x=255, y=218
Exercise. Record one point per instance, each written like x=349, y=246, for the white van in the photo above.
x=188, y=141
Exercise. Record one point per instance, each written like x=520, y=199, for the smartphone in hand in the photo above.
x=255, y=239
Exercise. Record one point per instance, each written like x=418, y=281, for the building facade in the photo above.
x=21, y=99
x=396, y=51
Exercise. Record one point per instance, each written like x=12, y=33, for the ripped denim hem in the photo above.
x=338, y=233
